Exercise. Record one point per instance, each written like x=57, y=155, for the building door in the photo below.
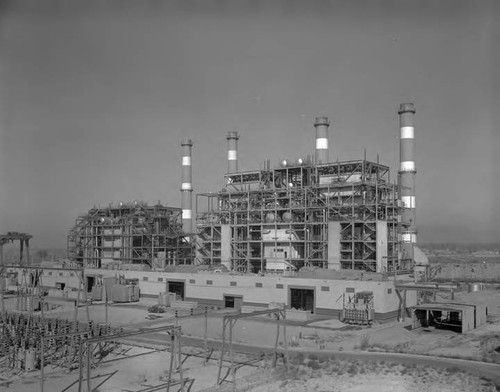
x=233, y=301
x=90, y=283
x=228, y=301
x=302, y=299
x=176, y=287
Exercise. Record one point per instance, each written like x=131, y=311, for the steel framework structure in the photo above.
x=130, y=234
x=227, y=326
x=24, y=240
x=301, y=200
x=175, y=345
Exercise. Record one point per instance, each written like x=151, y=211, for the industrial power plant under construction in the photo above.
x=301, y=243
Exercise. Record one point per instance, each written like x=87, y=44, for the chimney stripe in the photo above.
x=186, y=161
x=186, y=214
x=407, y=166
x=322, y=143
x=407, y=133
x=408, y=201
x=409, y=238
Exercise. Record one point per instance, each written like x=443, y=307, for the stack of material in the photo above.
x=298, y=315
x=183, y=305
x=97, y=293
x=124, y=293
x=166, y=299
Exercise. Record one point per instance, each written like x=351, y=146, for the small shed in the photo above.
x=459, y=317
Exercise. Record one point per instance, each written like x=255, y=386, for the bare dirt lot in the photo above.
x=128, y=374
x=306, y=373
x=316, y=373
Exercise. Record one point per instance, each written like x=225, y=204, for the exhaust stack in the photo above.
x=232, y=152
x=321, y=124
x=407, y=171
x=187, y=187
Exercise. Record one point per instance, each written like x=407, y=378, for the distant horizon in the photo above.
x=10, y=249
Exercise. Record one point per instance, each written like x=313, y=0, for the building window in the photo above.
x=160, y=279
x=258, y=284
x=192, y=281
x=232, y=283
x=325, y=288
x=60, y=274
x=210, y=282
x=145, y=278
x=71, y=274
x=349, y=290
x=279, y=286
x=50, y=273
x=389, y=291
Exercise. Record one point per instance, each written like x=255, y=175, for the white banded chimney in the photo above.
x=407, y=172
x=187, y=187
x=321, y=124
x=232, y=152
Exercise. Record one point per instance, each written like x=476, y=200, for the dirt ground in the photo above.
x=132, y=373
x=307, y=374
x=479, y=344
x=339, y=376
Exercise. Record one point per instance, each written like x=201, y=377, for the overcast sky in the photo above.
x=95, y=97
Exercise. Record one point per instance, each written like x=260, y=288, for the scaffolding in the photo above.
x=132, y=235
x=343, y=215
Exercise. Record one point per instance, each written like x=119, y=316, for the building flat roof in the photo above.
x=444, y=306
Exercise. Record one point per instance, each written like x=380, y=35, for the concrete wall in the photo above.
x=334, y=245
x=381, y=246
x=468, y=319
x=49, y=278
x=226, y=246
x=210, y=288
x=481, y=316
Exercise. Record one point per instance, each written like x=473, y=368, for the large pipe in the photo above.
x=407, y=171
x=232, y=152
x=321, y=124
x=187, y=187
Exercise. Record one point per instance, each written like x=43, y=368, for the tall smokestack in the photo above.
x=187, y=187
x=232, y=152
x=407, y=171
x=321, y=124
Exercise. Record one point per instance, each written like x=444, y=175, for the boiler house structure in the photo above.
x=312, y=212
x=316, y=235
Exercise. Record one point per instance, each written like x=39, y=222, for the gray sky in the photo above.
x=95, y=97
